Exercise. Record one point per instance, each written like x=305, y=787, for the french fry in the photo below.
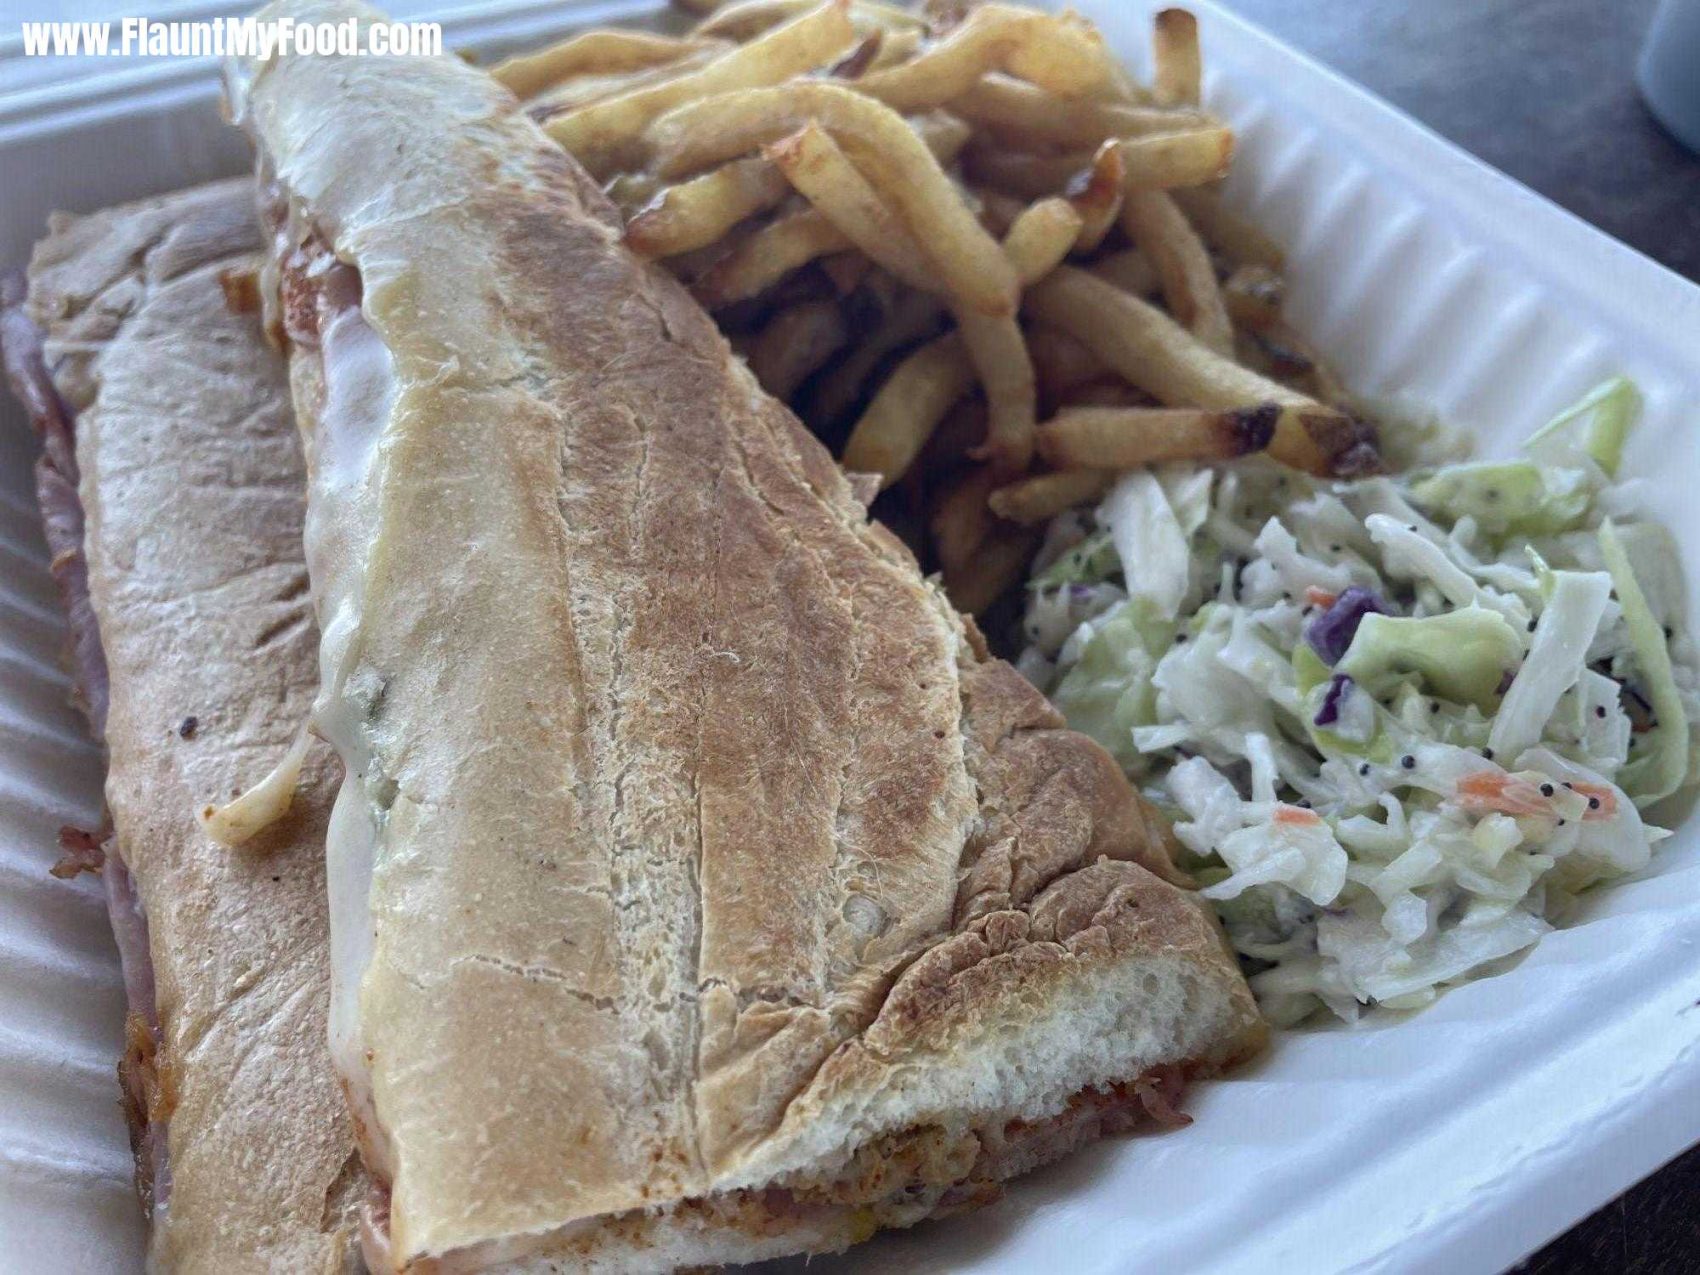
x=878, y=141
x=961, y=520
x=1044, y=496
x=767, y=256
x=1061, y=363
x=1253, y=295
x=997, y=567
x=999, y=355
x=1179, y=69
x=1155, y=353
x=1027, y=116
x=1289, y=358
x=794, y=343
x=815, y=164
x=1128, y=437
x=819, y=169
x=896, y=48
x=751, y=18
x=912, y=317
x=1022, y=174
x=1041, y=237
x=603, y=134
x=907, y=408
x=1231, y=235
x=583, y=90
x=1096, y=195
x=1129, y=270
x=1165, y=161
x=697, y=212
x=1054, y=51
x=1183, y=267
x=592, y=53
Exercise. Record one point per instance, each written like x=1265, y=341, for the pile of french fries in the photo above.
x=962, y=242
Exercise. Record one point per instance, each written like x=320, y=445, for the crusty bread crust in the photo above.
x=710, y=842
x=191, y=481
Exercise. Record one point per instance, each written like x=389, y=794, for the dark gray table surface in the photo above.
x=1545, y=91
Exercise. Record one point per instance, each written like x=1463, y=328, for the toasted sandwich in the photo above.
x=171, y=490
x=702, y=890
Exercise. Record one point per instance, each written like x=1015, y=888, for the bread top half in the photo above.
x=709, y=841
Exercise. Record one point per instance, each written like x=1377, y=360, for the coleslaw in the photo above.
x=1400, y=722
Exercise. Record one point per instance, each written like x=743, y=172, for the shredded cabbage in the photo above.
x=1399, y=722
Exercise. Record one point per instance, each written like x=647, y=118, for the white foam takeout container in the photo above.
x=1457, y=1139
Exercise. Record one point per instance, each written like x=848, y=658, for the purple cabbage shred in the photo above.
x=1331, y=633
x=1329, y=713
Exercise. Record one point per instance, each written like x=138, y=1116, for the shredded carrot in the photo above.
x=1297, y=815
x=1606, y=795
x=1319, y=597
x=1496, y=790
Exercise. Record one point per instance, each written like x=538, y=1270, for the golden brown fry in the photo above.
x=1027, y=116
x=1043, y=497
x=1041, y=237
x=907, y=408
x=820, y=170
x=1229, y=234
x=1058, y=52
x=998, y=566
x=822, y=173
x=1128, y=437
x=1021, y=174
x=878, y=141
x=750, y=18
x=794, y=343
x=1129, y=271
x=1096, y=194
x=1183, y=267
x=697, y=212
x=767, y=256
x=592, y=53
x=1179, y=74
x=1288, y=357
x=912, y=317
x=999, y=355
x=1164, y=161
x=1155, y=353
x=897, y=48
x=1061, y=363
x=1253, y=295
x=604, y=134
x=960, y=520
x=583, y=90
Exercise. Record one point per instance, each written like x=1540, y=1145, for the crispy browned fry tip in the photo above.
x=1179, y=67
x=1044, y=496
x=1350, y=444
x=1096, y=194
x=1129, y=437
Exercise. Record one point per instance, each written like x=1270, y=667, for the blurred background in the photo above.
x=1542, y=89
